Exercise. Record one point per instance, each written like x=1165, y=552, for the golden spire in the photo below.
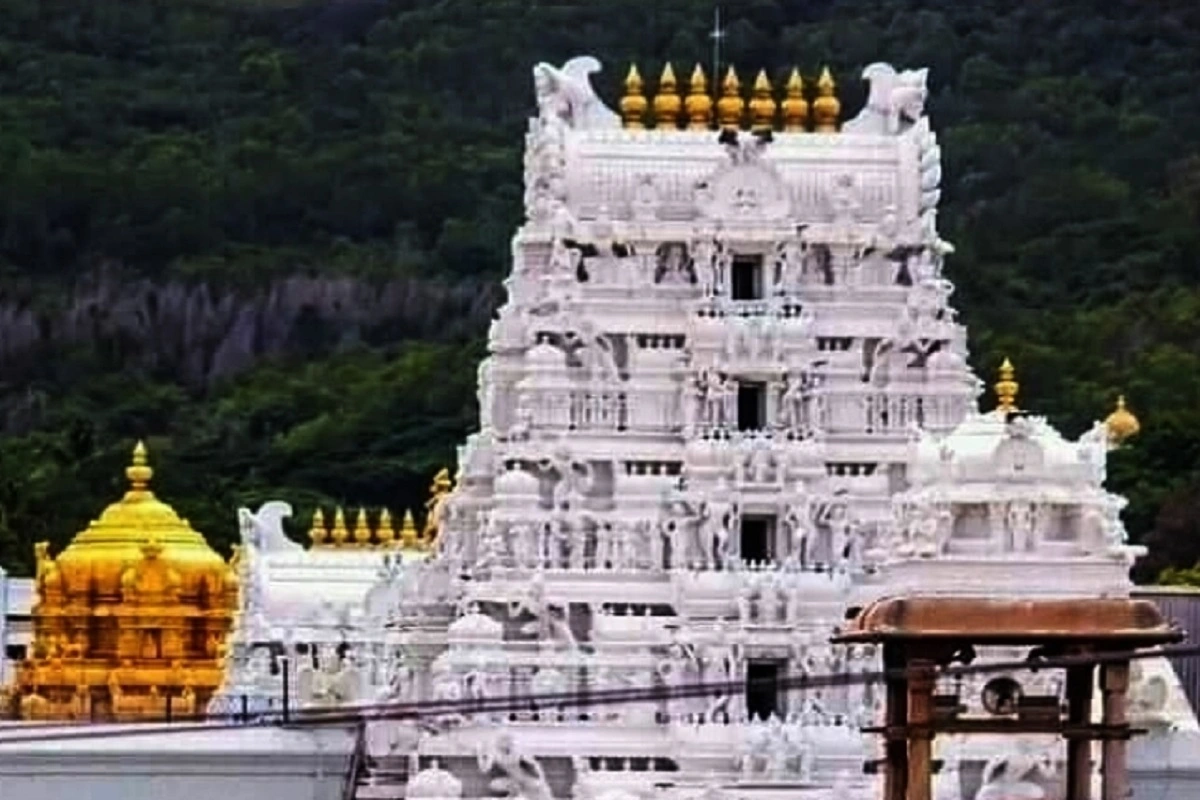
x=633, y=104
x=1121, y=424
x=318, y=533
x=762, y=105
x=1006, y=388
x=139, y=471
x=699, y=105
x=826, y=108
x=408, y=531
x=339, y=534
x=385, y=534
x=137, y=572
x=731, y=106
x=362, y=532
x=795, y=107
x=667, y=102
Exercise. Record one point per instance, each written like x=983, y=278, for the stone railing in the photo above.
x=608, y=409
x=885, y=414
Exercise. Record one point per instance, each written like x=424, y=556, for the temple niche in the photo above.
x=130, y=618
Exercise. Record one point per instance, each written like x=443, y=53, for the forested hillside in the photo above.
x=268, y=237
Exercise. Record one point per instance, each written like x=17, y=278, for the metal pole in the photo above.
x=716, y=35
x=283, y=661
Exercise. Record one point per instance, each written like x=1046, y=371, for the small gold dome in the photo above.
x=1121, y=423
x=98, y=557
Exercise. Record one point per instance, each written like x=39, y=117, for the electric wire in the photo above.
x=433, y=710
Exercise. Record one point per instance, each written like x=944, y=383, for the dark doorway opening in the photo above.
x=752, y=406
x=757, y=538
x=762, y=689
x=747, y=278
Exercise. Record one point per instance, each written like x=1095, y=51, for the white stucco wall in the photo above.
x=237, y=764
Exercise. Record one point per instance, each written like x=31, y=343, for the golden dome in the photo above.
x=1121, y=424
x=98, y=557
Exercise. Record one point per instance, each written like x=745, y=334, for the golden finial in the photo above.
x=318, y=533
x=698, y=104
x=762, y=104
x=826, y=108
x=731, y=106
x=408, y=531
x=667, y=102
x=633, y=104
x=1121, y=424
x=1006, y=388
x=385, y=534
x=139, y=472
x=339, y=534
x=795, y=107
x=362, y=532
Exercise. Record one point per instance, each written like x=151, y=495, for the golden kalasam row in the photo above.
x=695, y=111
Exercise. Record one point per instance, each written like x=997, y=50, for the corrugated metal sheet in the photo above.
x=1182, y=606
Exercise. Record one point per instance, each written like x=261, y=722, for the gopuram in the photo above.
x=726, y=400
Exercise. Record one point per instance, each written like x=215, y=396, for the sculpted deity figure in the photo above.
x=729, y=396
x=836, y=517
x=792, y=400
x=719, y=521
x=798, y=518
x=652, y=531
x=923, y=530
x=521, y=775
x=712, y=390
x=550, y=622
x=1020, y=518
x=592, y=350
x=843, y=202
x=645, y=199
x=690, y=401
x=564, y=260
x=679, y=669
x=522, y=543
x=789, y=265
x=1114, y=527
x=572, y=479
x=706, y=261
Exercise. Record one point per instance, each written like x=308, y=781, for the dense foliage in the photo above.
x=220, y=146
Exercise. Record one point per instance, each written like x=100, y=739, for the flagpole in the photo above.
x=716, y=35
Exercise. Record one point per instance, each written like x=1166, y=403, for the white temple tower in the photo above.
x=720, y=337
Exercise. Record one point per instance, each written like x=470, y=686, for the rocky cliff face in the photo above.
x=199, y=334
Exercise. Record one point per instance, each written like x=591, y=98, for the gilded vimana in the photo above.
x=613, y=401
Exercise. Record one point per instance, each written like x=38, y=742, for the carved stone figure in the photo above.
x=895, y=100
x=706, y=261
x=644, y=205
x=1016, y=776
x=520, y=775
x=566, y=94
x=1020, y=518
